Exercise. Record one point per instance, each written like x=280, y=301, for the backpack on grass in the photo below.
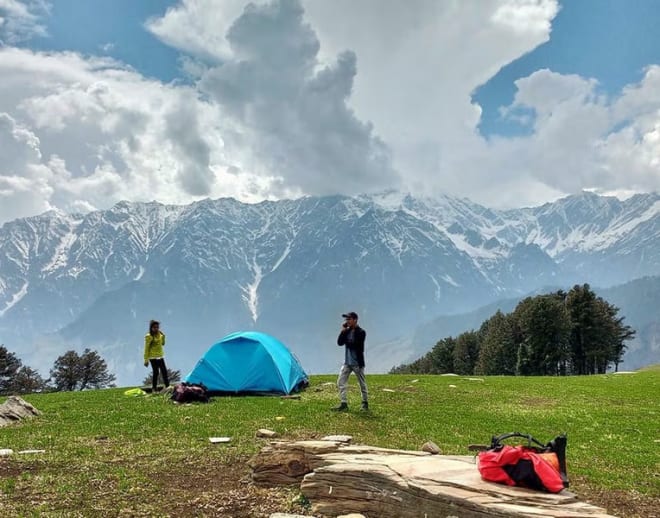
x=535, y=466
x=190, y=392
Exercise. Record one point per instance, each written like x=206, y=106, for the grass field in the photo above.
x=112, y=455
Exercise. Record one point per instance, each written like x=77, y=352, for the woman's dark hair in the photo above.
x=152, y=323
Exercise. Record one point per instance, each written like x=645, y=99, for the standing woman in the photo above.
x=154, y=341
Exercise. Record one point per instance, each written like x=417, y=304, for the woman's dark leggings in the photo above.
x=156, y=365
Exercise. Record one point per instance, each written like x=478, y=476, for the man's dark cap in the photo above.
x=350, y=314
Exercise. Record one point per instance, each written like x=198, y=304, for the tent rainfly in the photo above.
x=249, y=361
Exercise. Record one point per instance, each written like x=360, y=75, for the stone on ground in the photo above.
x=431, y=447
x=265, y=433
x=339, y=479
x=16, y=409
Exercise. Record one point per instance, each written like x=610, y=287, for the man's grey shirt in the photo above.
x=350, y=358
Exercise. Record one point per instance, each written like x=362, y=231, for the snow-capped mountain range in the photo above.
x=291, y=267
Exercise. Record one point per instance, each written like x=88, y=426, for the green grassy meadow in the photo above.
x=109, y=455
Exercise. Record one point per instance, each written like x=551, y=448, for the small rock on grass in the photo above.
x=268, y=434
x=431, y=447
x=216, y=440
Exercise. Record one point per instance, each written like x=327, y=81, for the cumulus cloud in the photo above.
x=22, y=20
x=198, y=26
x=419, y=67
x=293, y=114
x=583, y=139
x=193, y=152
x=24, y=181
x=31, y=183
x=291, y=97
x=98, y=133
x=525, y=16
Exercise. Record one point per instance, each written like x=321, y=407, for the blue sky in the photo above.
x=505, y=102
x=114, y=28
x=608, y=40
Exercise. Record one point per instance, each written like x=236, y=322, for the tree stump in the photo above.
x=15, y=409
x=339, y=479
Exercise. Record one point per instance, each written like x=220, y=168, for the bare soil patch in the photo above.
x=222, y=490
x=199, y=488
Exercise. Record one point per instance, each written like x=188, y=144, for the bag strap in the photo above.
x=496, y=441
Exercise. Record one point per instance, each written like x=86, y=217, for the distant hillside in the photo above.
x=290, y=268
x=639, y=302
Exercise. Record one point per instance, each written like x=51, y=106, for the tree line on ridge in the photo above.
x=554, y=334
x=71, y=371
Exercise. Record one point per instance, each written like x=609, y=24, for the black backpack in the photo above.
x=190, y=392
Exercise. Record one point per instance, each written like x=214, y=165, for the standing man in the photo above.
x=352, y=336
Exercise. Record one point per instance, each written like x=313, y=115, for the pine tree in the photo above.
x=27, y=381
x=598, y=336
x=623, y=333
x=94, y=371
x=545, y=329
x=65, y=373
x=466, y=352
x=79, y=372
x=9, y=366
x=442, y=356
x=498, y=351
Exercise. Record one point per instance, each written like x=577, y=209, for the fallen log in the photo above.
x=339, y=479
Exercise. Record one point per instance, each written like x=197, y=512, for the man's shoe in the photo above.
x=364, y=407
x=343, y=407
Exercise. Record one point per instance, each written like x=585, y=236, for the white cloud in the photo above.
x=292, y=113
x=21, y=20
x=295, y=98
x=190, y=148
x=417, y=69
x=24, y=181
x=414, y=75
x=585, y=140
x=198, y=26
x=526, y=16
x=98, y=133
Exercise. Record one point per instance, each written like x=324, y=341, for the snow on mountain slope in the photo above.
x=577, y=232
x=289, y=267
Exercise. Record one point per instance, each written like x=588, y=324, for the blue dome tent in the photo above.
x=249, y=361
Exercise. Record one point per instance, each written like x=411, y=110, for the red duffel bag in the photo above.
x=541, y=467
